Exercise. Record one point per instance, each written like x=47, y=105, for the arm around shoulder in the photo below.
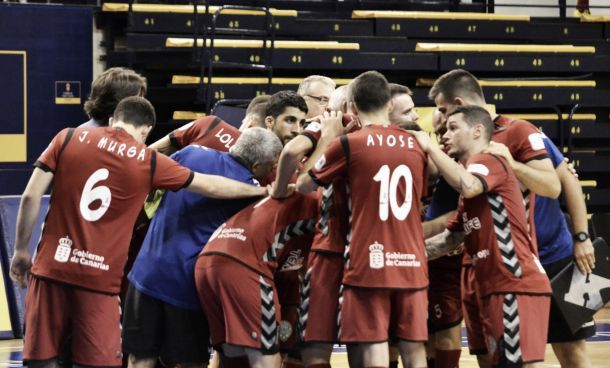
x=539, y=176
x=219, y=187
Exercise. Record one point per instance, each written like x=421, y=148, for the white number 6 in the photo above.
x=91, y=194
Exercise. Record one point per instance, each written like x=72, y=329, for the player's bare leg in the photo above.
x=49, y=363
x=316, y=354
x=141, y=363
x=375, y=355
x=572, y=354
x=255, y=357
x=413, y=354
x=448, y=346
x=258, y=360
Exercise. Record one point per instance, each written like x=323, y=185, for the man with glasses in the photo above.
x=316, y=90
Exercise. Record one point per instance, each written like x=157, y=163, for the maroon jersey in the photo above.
x=210, y=131
x=525, y=143
x=522, y=138
x=313, y=131
x=268, y=235
x=101, y=178
x=385, y=169
x=497, y=237
x=332, y=227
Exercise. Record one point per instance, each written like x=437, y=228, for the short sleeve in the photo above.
x=526, y=142
x=455, y=224
x=331, y=164
x=313, y=131
x=190, y=132
x=553, y=152
x=49, y=158
x=489, y=169
x=168, y=174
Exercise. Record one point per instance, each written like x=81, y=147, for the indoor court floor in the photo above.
x=599, y=349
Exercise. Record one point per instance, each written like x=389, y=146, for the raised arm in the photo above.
x=331, y=128
x=455, y=174
x=291, y=155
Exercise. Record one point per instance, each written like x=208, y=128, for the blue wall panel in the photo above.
x=57, y=44
x=15, y=296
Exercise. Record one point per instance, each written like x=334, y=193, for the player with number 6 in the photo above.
x=100, y=177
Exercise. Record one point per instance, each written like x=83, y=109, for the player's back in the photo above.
x=387, y=177
x=181, y=227
x=101, y=173
x=258, y=235
x=209, y=131
x=102, y=177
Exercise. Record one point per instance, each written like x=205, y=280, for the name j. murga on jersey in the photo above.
x=109, y=145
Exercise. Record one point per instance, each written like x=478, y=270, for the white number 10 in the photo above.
x=91, y=194
x=388, y=191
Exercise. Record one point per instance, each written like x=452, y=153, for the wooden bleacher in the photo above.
x=474, y=26
x=535, y=93
x=539, y=69
x=515, y=57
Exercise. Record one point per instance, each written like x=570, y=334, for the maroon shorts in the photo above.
x=241, y=305
x=444, y=298
x=53, y=310
x=367, y=315
x=287, y=285
x=288, y=328
x=318, y=312
x=516, y=327
x=472, y=314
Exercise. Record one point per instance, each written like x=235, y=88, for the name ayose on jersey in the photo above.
x=389, y=140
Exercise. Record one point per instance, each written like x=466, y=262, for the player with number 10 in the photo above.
x=385, y=280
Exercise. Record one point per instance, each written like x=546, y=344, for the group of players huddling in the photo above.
x=303, y=229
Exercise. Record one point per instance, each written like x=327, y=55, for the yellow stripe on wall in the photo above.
x=13, y=147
